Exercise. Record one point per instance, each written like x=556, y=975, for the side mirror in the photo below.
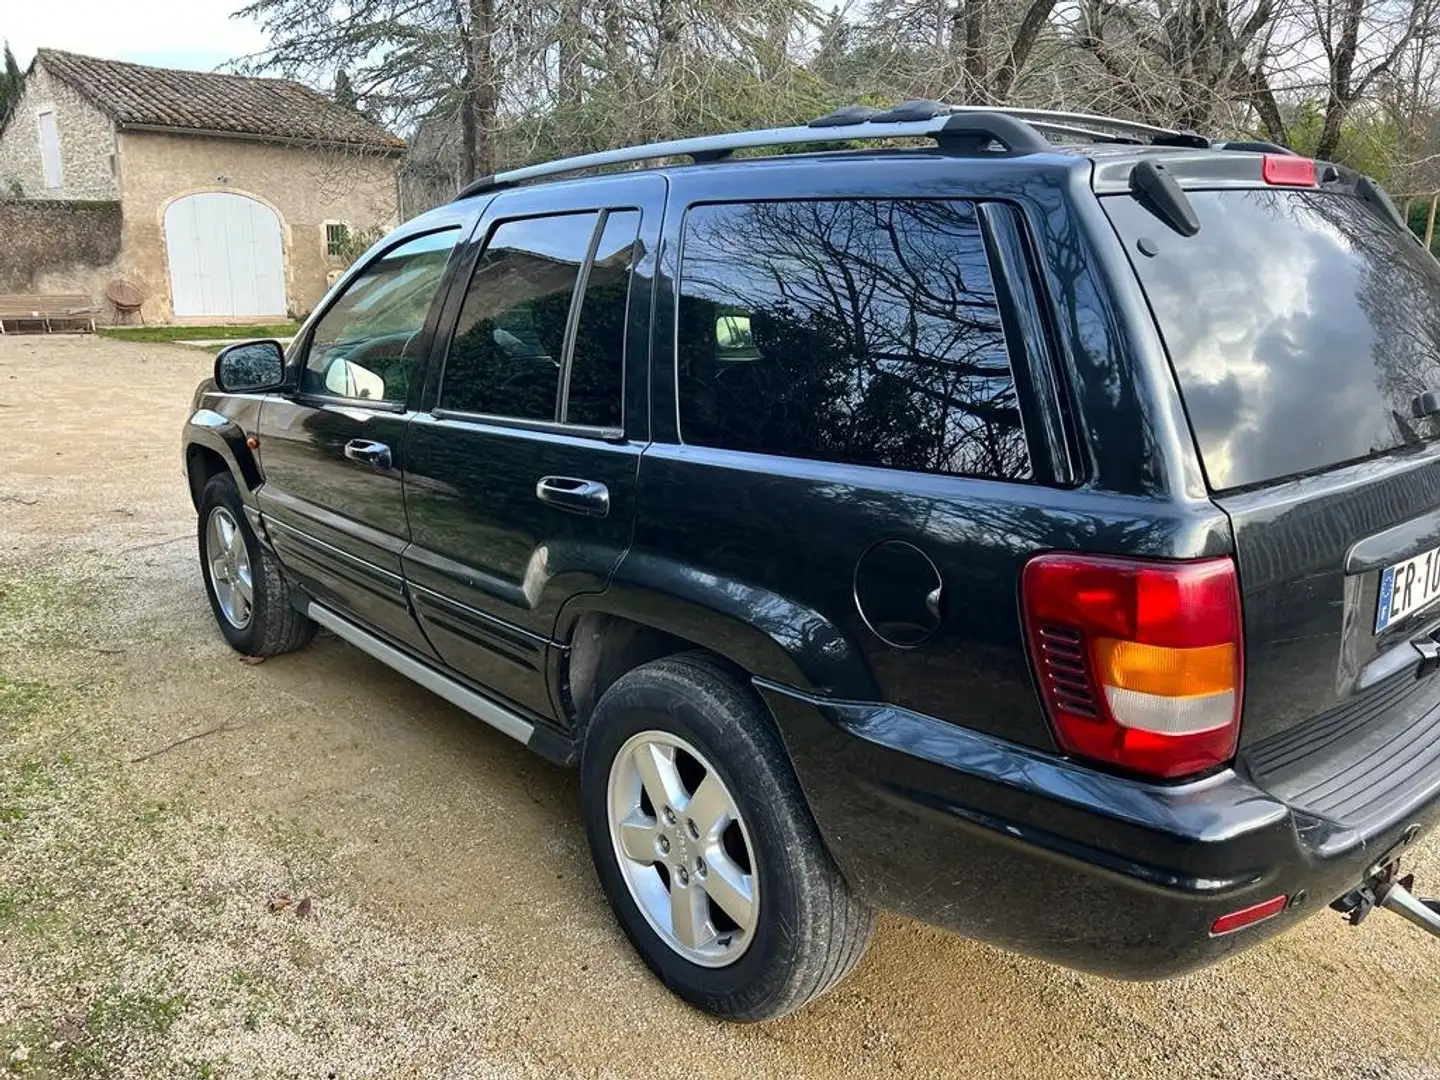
x=250, y=367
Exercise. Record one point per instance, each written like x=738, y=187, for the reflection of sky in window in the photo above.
x=1299, y=325
x=398, y=286
x=565, y=238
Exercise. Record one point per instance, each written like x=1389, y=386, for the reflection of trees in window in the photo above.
x=877, y=334
x=597, y=363
x=505, y=359
x=1400, y=294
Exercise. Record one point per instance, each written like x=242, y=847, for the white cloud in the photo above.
x=192, y=34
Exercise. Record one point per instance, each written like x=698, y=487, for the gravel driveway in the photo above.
x=310, y=867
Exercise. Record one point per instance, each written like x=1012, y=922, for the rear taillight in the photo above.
x=1140, y=663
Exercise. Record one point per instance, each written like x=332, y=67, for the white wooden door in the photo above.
x=226, y=258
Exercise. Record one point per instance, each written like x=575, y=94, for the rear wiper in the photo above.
x=1157, y=190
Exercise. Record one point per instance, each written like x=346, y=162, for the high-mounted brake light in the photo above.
x=1287, y=170
x=1139, y=662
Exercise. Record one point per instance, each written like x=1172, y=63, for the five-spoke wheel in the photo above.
x=705, y=846
x=249, y=593
x=229, y=565
x=683, y=848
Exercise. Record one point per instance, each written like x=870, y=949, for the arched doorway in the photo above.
x=226, y=258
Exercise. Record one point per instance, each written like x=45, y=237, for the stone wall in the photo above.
x=305, y=185
x=87, y=144
x=60, y=247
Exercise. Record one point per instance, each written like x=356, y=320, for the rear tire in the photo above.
x=249, y=593
x=807, y=932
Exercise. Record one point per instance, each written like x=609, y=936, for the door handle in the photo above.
x=588, y=497
x=374, y=454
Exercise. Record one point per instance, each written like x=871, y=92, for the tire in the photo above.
x=271, y=625
x=808, y=930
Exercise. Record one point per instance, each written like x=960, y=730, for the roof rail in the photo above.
x=971, y=127
x=1085, y=123
x=974, y=130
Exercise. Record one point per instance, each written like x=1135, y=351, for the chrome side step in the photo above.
x=477, y=705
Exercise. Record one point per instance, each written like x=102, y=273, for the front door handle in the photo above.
x=374, y=454
x=588, y=497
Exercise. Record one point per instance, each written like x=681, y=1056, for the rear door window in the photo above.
x=597, y=360
x=509, y=345
x=861, y=331
x=1301, y=327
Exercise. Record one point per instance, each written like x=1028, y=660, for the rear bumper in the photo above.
x=1033, y=853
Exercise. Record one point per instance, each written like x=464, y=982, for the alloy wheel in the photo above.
x=683, y=848
x=228, y=562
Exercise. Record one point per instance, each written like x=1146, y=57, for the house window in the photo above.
x=337, y=236
x=50, y=148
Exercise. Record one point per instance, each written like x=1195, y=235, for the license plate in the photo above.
x=1408, y=586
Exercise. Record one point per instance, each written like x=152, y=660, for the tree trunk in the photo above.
x=667, y=75
x=973, y=63
x=484, y=91
x=1329, y=142
x=1342, y=67
x=1036, y=16
x=570, y=43
x=1263, y=98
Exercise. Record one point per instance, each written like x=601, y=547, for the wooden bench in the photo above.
x=47, y=313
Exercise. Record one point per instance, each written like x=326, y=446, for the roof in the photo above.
x=137, y=96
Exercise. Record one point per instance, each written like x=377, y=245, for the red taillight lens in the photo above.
x=1139, y=662
x=1288, y=171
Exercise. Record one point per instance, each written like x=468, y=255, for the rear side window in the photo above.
x=510, y=341
x=861, y=331
x=1301, y=327
x=597, y=362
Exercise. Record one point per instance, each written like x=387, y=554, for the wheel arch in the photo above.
x=606, y=634
x=215, y=444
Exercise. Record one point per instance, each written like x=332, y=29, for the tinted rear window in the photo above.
x=1301, y=326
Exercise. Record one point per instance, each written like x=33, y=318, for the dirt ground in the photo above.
x=158, y=797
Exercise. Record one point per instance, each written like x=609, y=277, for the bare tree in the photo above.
x=1362, y=40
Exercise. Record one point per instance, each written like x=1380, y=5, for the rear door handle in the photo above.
x=374, y=454
x=588, y=497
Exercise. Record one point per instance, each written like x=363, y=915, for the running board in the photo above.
x=452, y=690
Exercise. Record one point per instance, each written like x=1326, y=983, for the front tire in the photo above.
x=249, y=593
x=705, y=847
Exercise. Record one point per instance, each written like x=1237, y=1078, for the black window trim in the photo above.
x=1030, y=342
x=1016, y=355
x=558, y=425
x=301, y=345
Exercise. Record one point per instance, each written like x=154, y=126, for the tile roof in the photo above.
x=134, y=95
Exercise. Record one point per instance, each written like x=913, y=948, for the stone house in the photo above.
x=235, y=194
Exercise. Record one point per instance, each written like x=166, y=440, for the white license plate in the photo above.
x=1408, y=586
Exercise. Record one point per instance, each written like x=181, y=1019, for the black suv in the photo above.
x=1037, y=535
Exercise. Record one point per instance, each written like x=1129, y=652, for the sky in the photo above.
x=171, y=33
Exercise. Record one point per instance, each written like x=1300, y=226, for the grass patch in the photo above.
x=198, y=333
x=20, y=699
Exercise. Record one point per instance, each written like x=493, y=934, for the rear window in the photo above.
x=1301, y=327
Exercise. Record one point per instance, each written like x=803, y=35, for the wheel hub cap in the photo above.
x=228, y=562
x=683, y=848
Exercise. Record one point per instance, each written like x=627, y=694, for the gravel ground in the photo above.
x=310, y=867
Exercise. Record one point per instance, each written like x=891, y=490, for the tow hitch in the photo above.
x=1385, y=888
